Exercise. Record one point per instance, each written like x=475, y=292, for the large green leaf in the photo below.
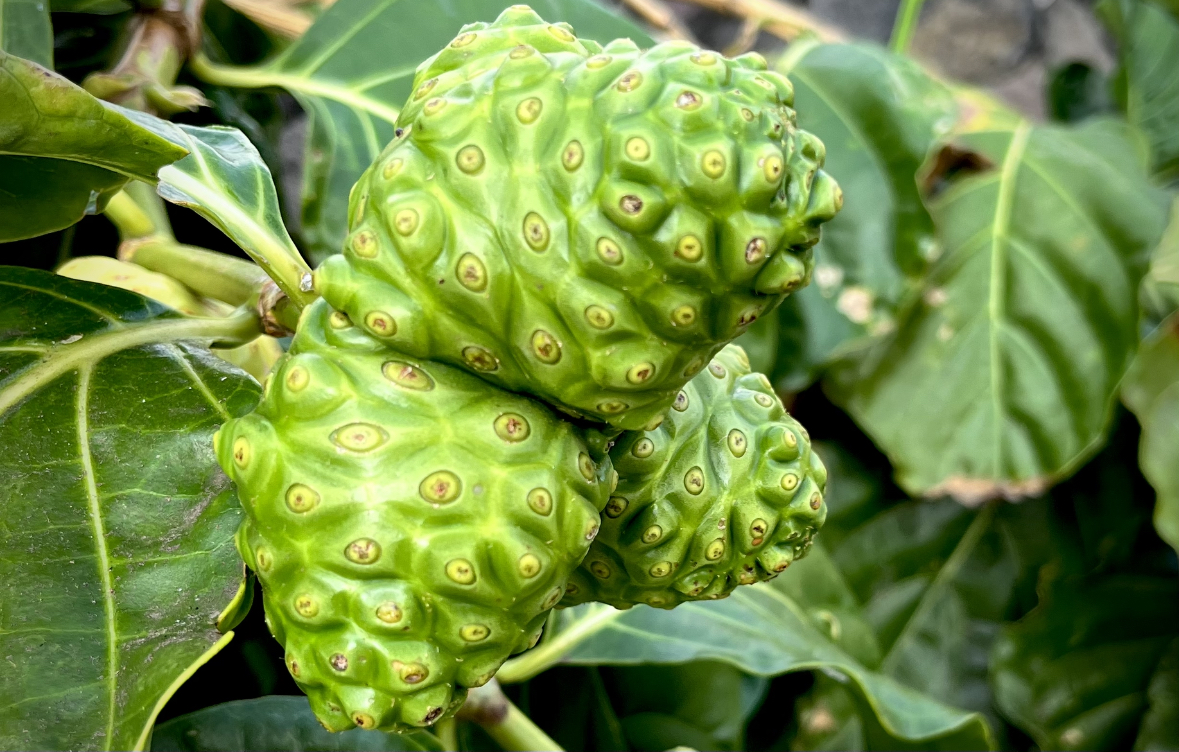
x=1146, y=84
x=116, y=525
x=701, y=705
x=1079, y=671
x=25, y=30
x=1000, y=376
x=225, y=181
x=878, y=114
x=1151, y=390
x=277, y=724
x=764, y=630
x=352, y=71
x=63, y=153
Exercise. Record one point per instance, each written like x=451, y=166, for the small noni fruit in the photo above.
x=726, y=492
x=588, y=225
x=411, y=524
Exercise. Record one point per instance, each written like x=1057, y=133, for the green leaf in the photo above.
x=1075, y=673
x=1000, y=376
x=1151, y=390
x=878, y=114
x=1077, y=91
x=225, y=181
x=760, y=630
x=1145, y=83
x=99, y=7
x=25, y=30
x=278, y=724
x=1159, y=729
x=1159, y=296
x=702, y=705
x=352, y=71
x=63, y=153
x=116, y=525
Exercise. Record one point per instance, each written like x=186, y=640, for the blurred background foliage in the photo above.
x=988, y=356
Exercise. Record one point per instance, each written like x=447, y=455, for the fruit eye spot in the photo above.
x=441, y=487
x=460, y=571
x=546, y=347
x=512, y=427
x=391, y=168
x=408, y=376
x=638, y=149
x=339, y=320
x=598, y=61
x=630, y=81
x=301, y=498
x=560, y=33
x=609, y=251
x=612, y=407
x=381, y=324
x=572, y=156
x=536, y=232
x=765, y=400
x=737, y=443
x=694, y=481
x=616, y=506
x=643, y=448
x=474, y=632
x=241, y=451
x=469, y=159
x=363, y=551
x=339, y=662
x=689, y=248
x=540, y=501
x=529, y=110
x=586, y=466
x=684, y=315
x=630, y=204
x=789, y=481
x=359, y=437
x=717, y=370
x=640, y=373
x=389, y=612
x=747, y=114
x=600, y=569
x=405, y=222
x=306, y=606
x=480, y=359
x=688, y=100
x=816, y=501
x=528, y=565
x=713, y=164
x=520, y=51
x=462, y=40
x=652, y=534
x=425, y=88
x=662, y=569
x=703, y=58
x=715, y=550
x=365, y=244
x=681, y=402
x=598, y=317
x=414, y=673
x=434, y=106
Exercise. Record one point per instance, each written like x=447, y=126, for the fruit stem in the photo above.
x=137, y=212
x=447, y=732
x=905, y=26
x=550, y=653
x=513, y=731
x=208, y=273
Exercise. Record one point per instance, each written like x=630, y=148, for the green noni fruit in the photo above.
x=726, y=492
x=411, y=524
x=588, y=225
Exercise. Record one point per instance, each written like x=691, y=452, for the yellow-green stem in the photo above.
x=208, y=273
x=905, y=25
x=504, y=722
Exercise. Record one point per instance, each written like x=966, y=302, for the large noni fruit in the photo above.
x=726, y=492
x=411, y=524
x=588, y=225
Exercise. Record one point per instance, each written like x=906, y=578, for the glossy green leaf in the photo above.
x=1076, y=672
x=702, y=705
x=1146, y=85
x=116, y=525
x=99, y=7
x=225, y=181
x=1159, y=296
x=761, y=630
x=878, y=114
x=352, y=71
x=25, y=30
x=999, y=378
x=1151, y=390
x=1160, y=725
x=278, y=724
x=63, y=153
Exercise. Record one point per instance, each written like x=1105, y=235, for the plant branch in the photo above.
x=207, y=273
x=776, y=17
x=663, y=18
x=550, y=653
x=905, y=25
x=513, y=731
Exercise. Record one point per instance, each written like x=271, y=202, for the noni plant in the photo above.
x=433, y=376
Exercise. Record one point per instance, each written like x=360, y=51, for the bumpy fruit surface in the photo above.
x=725, y=492
x=589, y=225
x=411, y=524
